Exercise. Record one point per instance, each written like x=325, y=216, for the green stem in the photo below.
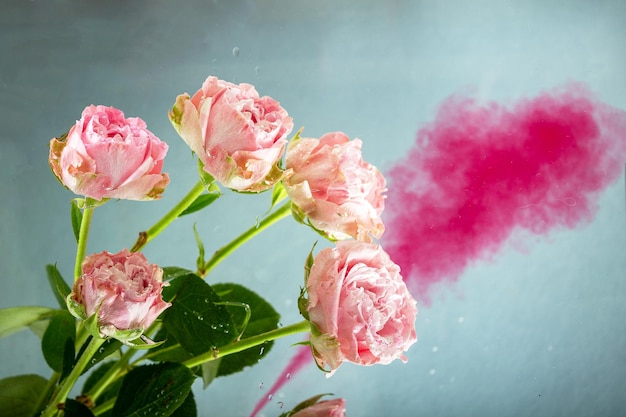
x=219, y=255
x=47, y=392
x=104, y=407
x=147, y=235
x=65, y=388
x=111, y=375
x=235, y=347
x=83, y=235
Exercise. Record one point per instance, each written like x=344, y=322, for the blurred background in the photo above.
x=537, y=331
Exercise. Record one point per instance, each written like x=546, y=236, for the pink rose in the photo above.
x=238, y=136
x=328, y=408
x=106, y=155
x=333, y=187
x=123, y=289
x=361, y=309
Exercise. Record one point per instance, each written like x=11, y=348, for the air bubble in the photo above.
x=236, y=51
x=435, y=349
x=432, y=372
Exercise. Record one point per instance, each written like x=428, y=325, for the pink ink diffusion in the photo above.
x=480, y=171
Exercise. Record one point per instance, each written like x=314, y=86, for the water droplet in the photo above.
x=262, y=350
x=288, y=376
x=93, y=360
x=461, y=319
x=225, y=330
x=200, y=318
x=214, y=327
x=281, y=404
x=101, y=350
x=261, y=385
x=236, y=51
x=206, y=300
x=432, y=372
x=435, y=349
x=257, y=69
x=269, y=397
x=185, y=313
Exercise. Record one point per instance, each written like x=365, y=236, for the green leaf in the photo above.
x=14, y=319
x=75, y=408
x=59, y=287
x=62, y=328
x=195, y=320
x=172, y=272
x=203, y=200
x=188, y=408
x=153, y=390
x=19, y=395
x=77, y=218
x=263, y=319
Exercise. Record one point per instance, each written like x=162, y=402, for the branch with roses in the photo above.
x=144, y=332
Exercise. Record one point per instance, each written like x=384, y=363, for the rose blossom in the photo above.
x=106, y=155
x=123, y=289
x=328, y=408
x=331, y=184
x=361, y=309
x=238, y=136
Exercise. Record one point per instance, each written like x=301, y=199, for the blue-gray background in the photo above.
x=538, y=332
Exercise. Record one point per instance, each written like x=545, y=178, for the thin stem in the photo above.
x=235, y=347
x=111, y=375
x=45, y=395
x=104, y=407
x=146, y=236
x=61, y=395
x=83, y=235
x=219, y=255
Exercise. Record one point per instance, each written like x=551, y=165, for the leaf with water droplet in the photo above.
x=164, y=387
x=196, y=324
x=263, y=318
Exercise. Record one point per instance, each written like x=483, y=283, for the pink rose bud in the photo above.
x=106, y=155
x=328, y=408
x=123, y=289
x=331, y=185
x=360, y=308
x=238, y=136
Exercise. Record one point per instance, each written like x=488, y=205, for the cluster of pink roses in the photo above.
x=358, y=305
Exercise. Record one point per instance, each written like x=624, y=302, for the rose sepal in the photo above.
x=88, y=202
x=326, y=351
